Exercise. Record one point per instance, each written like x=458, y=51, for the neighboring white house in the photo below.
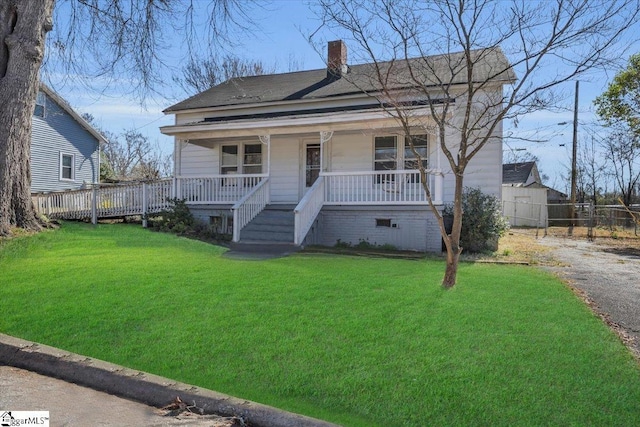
x=311, y=157
x=65, y=149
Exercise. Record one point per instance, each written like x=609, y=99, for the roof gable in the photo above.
x=517, y=173
x=318, y=84
x=62, y=103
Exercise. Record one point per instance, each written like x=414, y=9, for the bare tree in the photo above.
x=130, y=156
x=591, y=169
x=201, y=74
x=127, y=153
x=118, y=39
x=547, y=43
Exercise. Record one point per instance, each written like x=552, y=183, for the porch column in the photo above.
x=438, y=180
x=266, y=140
x=177, y=156
x=325, y=136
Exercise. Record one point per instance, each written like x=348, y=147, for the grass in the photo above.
x=353, y=340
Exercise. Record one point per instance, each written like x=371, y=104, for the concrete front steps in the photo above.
x=269, y=232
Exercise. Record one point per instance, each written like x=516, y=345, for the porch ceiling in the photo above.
x=378, y=119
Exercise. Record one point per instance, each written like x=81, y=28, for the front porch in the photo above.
x=347, y=158
x=248, y=195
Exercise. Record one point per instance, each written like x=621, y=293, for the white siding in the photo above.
x=199, y=161
x=351, y=152
x=286, y=170
x=485, y=169
x=57, y=132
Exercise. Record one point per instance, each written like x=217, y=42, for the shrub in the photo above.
x=482, y=221
x=176, y=219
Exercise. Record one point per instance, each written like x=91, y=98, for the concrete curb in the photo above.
x=140, y=386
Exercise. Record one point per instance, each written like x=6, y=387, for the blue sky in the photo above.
x=279, y=36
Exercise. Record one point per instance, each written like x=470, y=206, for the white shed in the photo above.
x=525, y=206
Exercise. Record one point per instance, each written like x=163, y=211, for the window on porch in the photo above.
x=387, y=157
x=251, y=155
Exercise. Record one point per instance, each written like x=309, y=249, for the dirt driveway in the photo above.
x=608, y=273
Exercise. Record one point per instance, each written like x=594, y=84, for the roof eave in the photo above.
x=288, y=124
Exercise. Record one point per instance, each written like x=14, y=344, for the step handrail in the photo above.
x=307, y=210
x=249, y=206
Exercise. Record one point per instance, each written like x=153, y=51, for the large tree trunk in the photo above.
x=23, y=28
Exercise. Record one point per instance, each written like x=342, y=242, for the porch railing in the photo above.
x=380, y=187
x=223, y=189
x=307, y=210
x=249, y=206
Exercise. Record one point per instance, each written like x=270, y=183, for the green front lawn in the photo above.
x=357, y=341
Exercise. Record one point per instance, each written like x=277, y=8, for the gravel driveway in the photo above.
x=608, y=275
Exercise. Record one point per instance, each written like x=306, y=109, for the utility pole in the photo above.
x=574, y=171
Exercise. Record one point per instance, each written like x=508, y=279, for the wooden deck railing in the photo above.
x=104, y=201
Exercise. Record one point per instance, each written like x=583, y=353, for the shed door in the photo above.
x=523, y=215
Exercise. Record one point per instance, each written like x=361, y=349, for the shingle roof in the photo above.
x=516, y=173
x=315, y=84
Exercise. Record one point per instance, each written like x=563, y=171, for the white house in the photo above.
x=312, y=157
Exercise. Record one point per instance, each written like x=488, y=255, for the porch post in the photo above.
x=177, y=157
x=438, y=181
x=325, y=136
x=266, y=140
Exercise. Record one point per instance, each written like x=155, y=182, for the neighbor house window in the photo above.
x=66, y=166
x=41, y=100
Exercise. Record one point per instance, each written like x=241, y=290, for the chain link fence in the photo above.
x=586, y=215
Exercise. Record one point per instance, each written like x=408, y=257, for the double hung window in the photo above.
x=241, y=159
x=387, y=156
x=66, y=167
x=41, y=100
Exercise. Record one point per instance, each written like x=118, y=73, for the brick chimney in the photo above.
x=337, y=59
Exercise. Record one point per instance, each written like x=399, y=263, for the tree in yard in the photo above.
x=446, y=52
x=23, y=28
x=112, y=38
